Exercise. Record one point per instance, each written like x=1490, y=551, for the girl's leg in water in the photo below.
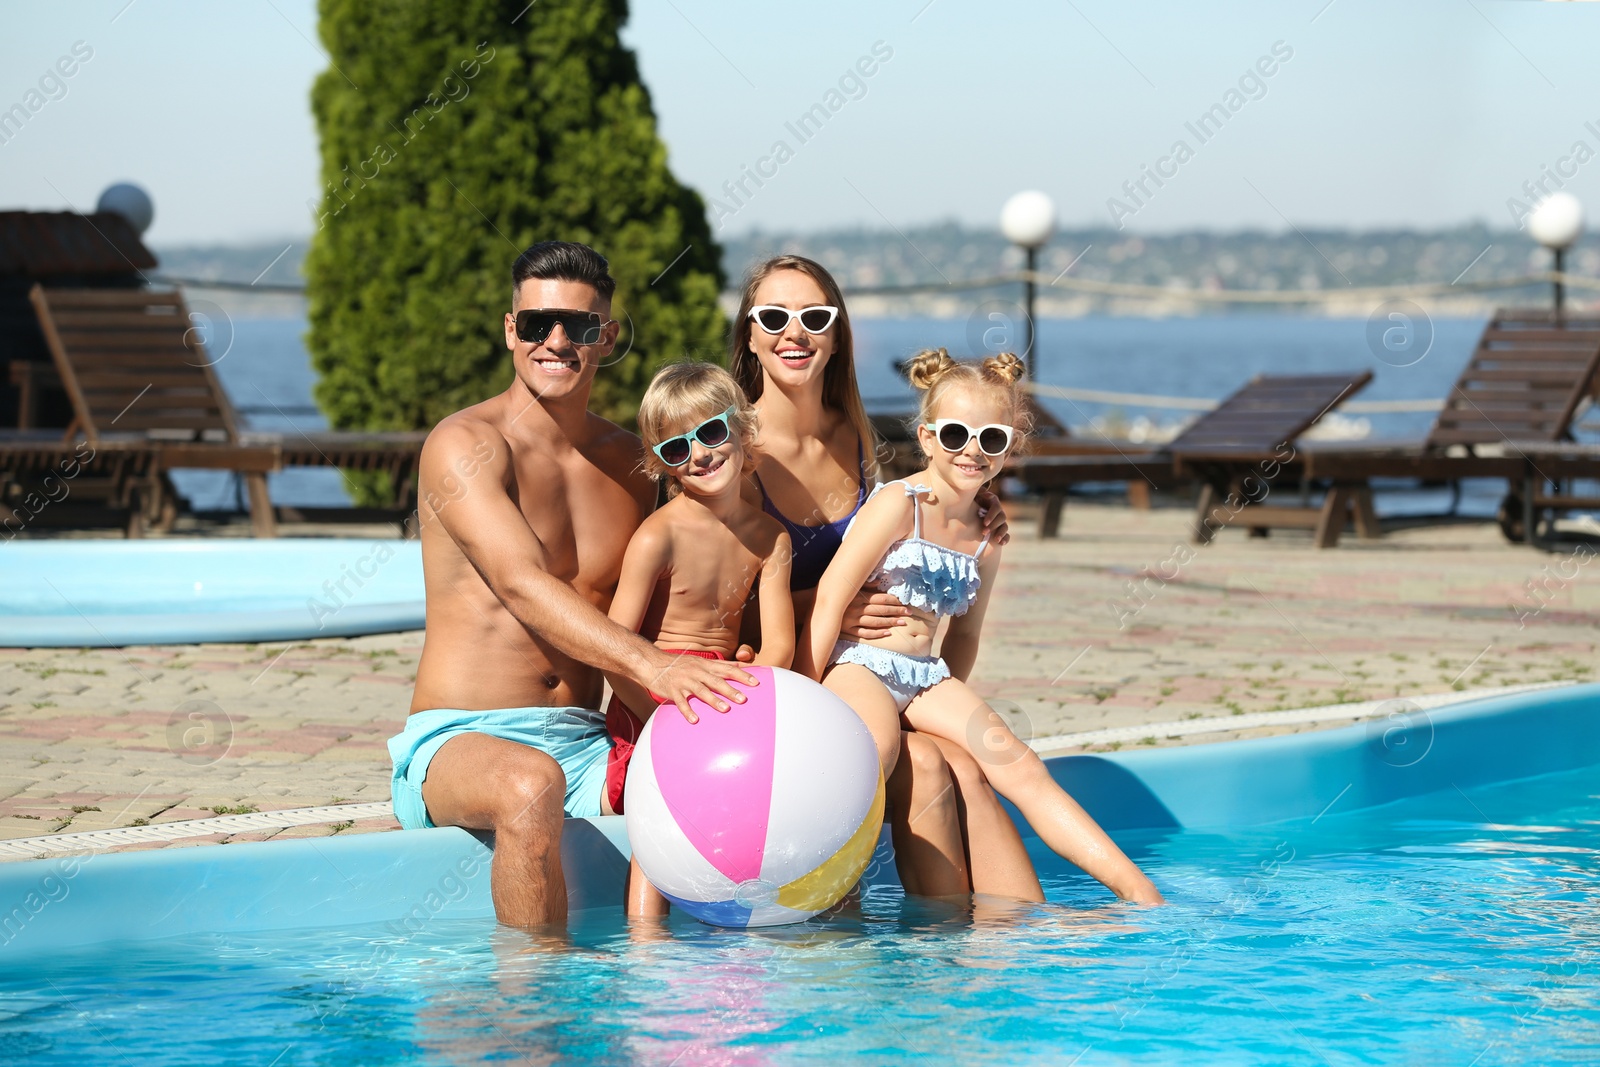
x=952, y=711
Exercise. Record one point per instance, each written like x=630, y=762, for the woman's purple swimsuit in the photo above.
x=815, y=546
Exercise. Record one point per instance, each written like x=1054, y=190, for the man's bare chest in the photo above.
x=583, y=518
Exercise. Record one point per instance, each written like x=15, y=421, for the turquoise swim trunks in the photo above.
x=575, y=738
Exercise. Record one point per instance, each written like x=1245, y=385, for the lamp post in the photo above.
x=1556, y=223
x=129, y=201
x=1028, y=219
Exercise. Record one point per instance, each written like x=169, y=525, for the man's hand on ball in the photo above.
x=684, y=678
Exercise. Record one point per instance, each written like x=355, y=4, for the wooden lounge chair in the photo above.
x=1547, y=489
x=1509, y=416
x=1513, y=404
x=48, y=481
x=395, y=454
x=1523, y=383
x=1249, y=439
x=1249, y=435
x=134, y=366
x=134, y=369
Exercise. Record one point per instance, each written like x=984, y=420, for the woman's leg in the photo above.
x=996, y=856
x=922, y=804
x=868, y=698
x=924, y=822
x=952, y=711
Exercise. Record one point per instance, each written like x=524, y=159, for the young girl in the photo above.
x=922, y=541
x=691, y=566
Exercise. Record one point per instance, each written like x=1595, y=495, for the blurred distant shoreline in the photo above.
x=1330, y=260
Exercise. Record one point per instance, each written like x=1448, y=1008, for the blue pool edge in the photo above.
x=69, y=593
x=406, y=879
x=208, y=627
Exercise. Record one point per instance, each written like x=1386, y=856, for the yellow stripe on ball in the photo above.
x=832, y=879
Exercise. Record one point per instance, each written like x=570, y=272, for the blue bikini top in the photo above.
x=815, y=546
x=923, y=575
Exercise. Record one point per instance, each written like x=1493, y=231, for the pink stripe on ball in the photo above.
x=716, y=775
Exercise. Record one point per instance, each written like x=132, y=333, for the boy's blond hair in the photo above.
x=682, y=396
x=934, y=371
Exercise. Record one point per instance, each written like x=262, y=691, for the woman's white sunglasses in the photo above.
x=953, y=435
x=774, y=319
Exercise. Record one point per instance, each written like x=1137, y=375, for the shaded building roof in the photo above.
x=42, y=244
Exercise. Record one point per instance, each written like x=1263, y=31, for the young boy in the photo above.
x=691, y=566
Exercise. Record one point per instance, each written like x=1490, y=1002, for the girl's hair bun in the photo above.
x=1007, y=366
x=927, y=367
x=935, y=373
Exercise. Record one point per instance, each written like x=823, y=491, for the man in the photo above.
x=527, y=502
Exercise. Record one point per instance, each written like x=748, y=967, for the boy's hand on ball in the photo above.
x=684, y=678
x=872, y=615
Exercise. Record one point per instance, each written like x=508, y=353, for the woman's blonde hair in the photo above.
x=683, y=395
x=934, y=373
x=839, y=389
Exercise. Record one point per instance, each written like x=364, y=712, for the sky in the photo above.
x=1375, y=114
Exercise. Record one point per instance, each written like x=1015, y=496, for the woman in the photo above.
x=793, y=354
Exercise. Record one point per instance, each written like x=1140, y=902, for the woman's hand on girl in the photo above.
x=994, y=518
x=872, y=615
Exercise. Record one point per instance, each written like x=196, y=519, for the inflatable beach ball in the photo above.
x=764, y=815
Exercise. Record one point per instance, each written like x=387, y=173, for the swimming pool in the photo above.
x=1417, y=889
x=104, y=593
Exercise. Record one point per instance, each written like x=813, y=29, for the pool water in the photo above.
x=1457, y=927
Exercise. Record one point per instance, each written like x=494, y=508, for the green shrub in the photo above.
x=455, y=133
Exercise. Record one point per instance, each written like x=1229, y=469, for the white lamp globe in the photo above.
x=1028, y=219
x=129, y=201
x=1557, y=221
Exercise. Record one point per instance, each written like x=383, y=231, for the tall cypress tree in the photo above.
x=454, y=134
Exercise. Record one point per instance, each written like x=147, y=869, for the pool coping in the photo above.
x=86, y=841
x=1325, y=713
x=405, y=880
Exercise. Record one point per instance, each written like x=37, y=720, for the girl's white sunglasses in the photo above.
x=953, y=435
x=774, y=319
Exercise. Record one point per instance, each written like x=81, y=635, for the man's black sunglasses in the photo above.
x=582, y=327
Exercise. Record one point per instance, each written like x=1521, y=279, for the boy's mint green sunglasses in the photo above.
x=675, y=451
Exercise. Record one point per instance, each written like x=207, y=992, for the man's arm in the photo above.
x=492, y=534
x=642, y=567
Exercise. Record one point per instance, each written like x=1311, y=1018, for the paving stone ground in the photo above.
x=1119, y=622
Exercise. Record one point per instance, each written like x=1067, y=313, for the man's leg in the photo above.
x=995, y=853
x=488, y=783
x=924, y=822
